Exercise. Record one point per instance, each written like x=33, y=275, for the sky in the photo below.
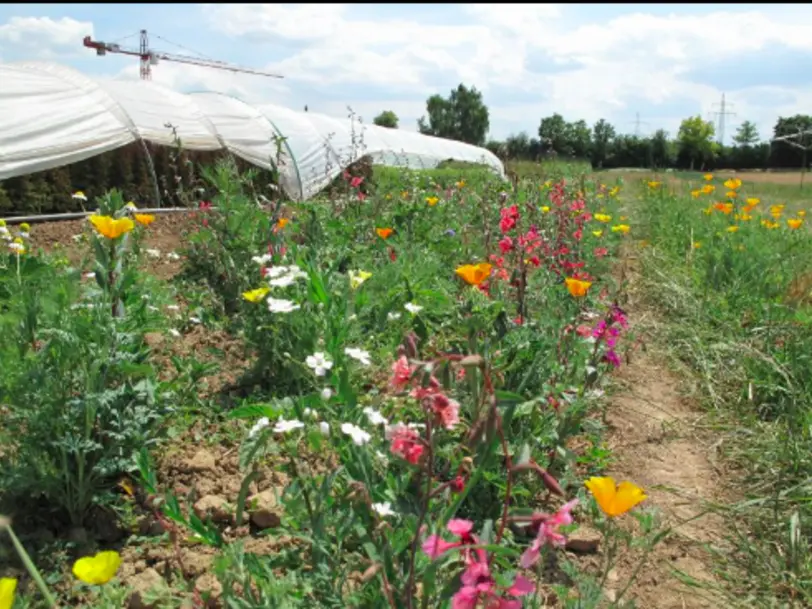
x=661, y=62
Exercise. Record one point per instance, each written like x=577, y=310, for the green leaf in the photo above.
x=255, y=411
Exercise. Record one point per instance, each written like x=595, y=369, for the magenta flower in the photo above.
x=478, y=585
x=548, y=532
x=435, y=545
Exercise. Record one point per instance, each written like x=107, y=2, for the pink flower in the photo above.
x=405, y=443
x=401, y=373
x=548, y=532
x=600, y=252
x=436, y=546
x=479, y=585
x=506, y=244
x=583, y=331
x=446, y=409
x=356, y=181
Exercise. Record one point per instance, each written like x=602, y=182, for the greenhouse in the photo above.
x=52, y=115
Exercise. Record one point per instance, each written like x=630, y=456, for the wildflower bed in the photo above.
x=416, y=362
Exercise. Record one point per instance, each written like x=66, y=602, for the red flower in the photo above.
x=405, y=443
x=506, y=244
x=356, y=181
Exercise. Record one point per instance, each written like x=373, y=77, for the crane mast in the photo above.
x=151, y=58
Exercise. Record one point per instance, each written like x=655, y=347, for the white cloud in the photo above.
x=45, y=38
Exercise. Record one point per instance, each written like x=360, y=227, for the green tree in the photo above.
x=696, y=140
x=518, y=146
x=554, y=133
x=387, y=118
x=603, y=134
x=785, y=154
x=463, y=116
x=746, y=134
x=580, y=136
x=662, y=153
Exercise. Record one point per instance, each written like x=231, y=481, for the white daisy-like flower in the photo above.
x=77, y=238
x=383, y=509
x=24, y=235
x=359, y=355
x=319, y=363
x=195, y=320
x=283, y=426
x=259, y=426
x=131, y=206
x=79, y=195
x=324, y=428
x=90, y=275
x=358, y=435
x=173, y=256
x=281, y=306
x=276, y=271
x=393, y=316
x=5, y=233
x=16, y=247
x=375, y=417
x=174, y=332
x=152, y=253
x=326, y=393
x=152, y=308
x=262, y=260
x=173, y=307
x=412, y=308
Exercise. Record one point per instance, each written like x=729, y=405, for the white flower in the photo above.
x=262, y=260
x=412, y=308
x=324, y=428
x=358, y=354
x=173, y=256
x=393, y=316
x=24, y=234
x=281, y=305
x=174, y=332
x=326, y=393
x=173, y=307
x=283, y=426
x=4, y=233
x=76, y=238
x=90, y=275
x=79, y=195
x=319, y=363
x=383, y=509
x=131, y=206
x=259, y=426
x=16, y=247
x=358, y=435
x=153, y=253
x=352, y=317
x=375, y=417
x=195, y=320
x=283, y=276
x=152, y=308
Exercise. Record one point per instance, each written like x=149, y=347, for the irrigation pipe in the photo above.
x=76, y=215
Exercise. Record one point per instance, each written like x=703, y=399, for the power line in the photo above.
x=637, y=122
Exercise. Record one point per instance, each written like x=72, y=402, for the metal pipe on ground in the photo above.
x=76, y=215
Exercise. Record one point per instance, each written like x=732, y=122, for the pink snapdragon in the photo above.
x=435, y=546
x=548, y=532
x=405, y=443
x=478, y=585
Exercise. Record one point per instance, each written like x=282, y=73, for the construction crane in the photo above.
x=151, y=58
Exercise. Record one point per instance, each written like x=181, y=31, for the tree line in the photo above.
x=463, y=116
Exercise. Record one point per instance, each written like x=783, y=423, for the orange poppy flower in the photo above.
x=474, y=274
x=384, y=233
x=577, y=288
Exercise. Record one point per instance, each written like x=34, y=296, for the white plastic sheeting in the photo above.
x=52, y=115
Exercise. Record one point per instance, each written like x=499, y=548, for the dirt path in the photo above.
x=656, y=437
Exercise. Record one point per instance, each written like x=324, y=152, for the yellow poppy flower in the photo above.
x=695, y=193
x=144, y=219
x=733, y=183
x=577, y=288
x=256, y=295
x=614, y=499
x=731, y=194
x=795, y=223
x=732, y=229
x=752, y=201
x=432, y=201
x=614, y=191
x=474, y=274
x=358, y=277
x=745, y=217
x=112, y=228
x=8, y=585
x=653, y=184
x=696, y=245
x=708, y=177
x=461, y=184
x=98, y=569
x=621, y=228
x=384, y=233
x=597, y=233
x=545, y=209
x=776, y=211
x=602, y=218
x=708, y=189
x=801, y=213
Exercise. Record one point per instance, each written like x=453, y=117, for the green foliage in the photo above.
x=695, y=139
x=387, y=118
x=463, y=116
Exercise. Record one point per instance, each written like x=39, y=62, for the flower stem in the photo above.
x=31, y=568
